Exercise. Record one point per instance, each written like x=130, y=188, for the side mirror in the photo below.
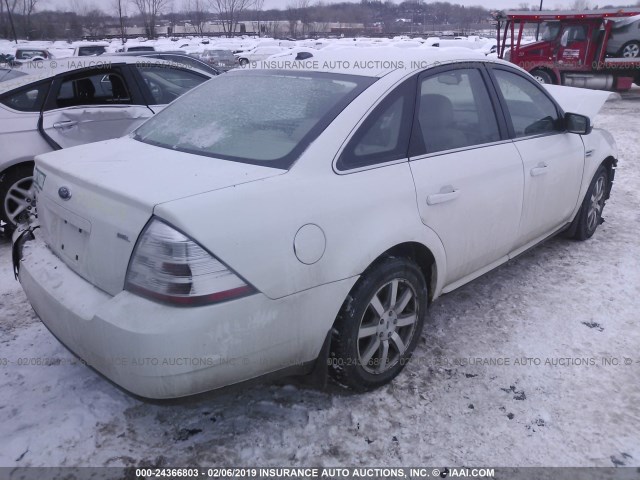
x=564, y=40
x=576, y=123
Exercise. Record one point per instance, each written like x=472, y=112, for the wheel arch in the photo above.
x=411, y=250
x=17, y=163
x=422, y=256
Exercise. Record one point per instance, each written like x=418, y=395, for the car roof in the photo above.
x=377, y=61
x=42, y=70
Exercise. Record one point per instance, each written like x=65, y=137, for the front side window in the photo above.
x=549, y=31
x=166, y=82
x=259, y=117
x=530, y=110
x=454, y=111
x=574, y=33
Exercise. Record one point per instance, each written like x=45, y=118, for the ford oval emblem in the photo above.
x=64, y=193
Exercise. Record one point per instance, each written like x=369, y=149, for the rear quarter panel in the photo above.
x=252, y=227
x=20, y=140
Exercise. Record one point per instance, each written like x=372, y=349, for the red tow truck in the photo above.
x=571, y=47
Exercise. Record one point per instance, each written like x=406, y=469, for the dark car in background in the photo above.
x=179, y=58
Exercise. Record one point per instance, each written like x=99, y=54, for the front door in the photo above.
x=553, y=159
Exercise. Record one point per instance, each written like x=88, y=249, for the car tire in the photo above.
x=243, y=62
x=590, y=213
x=630, y=50
x=372, y=341
x=542, y=76
x=15, y=185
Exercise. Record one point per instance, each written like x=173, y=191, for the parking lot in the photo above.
x=535, y=363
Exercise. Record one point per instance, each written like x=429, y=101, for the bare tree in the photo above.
x=11, y=8
x=230, y=11
x=580, y=5
x=94, y=22
x=28, y=7
x=149, y=11
x=120, y=9
x=258, y=5
x=197, y=13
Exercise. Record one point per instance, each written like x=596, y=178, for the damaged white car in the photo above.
x=72, y=101
x=304, y=220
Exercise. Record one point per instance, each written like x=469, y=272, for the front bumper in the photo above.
x=158, y=351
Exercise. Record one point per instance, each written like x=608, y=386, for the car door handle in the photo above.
x=443, y=196
x=539, y=170
x=65, y=124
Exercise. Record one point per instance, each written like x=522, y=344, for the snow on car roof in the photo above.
x=41, y=70
x=372, y=61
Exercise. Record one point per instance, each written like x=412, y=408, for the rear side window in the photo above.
x=531, y=111
x=454, y=111
x=27, y=99
x=384, y=135
x=166, y=82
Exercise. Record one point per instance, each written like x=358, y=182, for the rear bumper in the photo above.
x=159, y=351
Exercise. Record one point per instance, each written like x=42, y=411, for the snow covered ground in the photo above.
x=560, y=302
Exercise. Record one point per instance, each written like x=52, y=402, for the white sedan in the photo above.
x=258, y=54
x=307, y=226
x=72, y=101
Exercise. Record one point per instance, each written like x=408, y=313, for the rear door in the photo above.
x=92, y=105
x=467, y=173
x=553, y=159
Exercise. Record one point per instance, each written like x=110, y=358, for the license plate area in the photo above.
x=72, y=241
x=67, y=233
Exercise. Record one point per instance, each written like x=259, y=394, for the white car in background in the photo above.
x=90, y=49
x=79, y=100
x=307, y=226
x=295, y=53
x=258, y=54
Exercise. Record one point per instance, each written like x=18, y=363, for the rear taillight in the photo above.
x=168, y=266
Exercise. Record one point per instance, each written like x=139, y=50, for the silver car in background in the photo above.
x=625, y=40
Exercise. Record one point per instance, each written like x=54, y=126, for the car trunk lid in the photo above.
x=94, y=200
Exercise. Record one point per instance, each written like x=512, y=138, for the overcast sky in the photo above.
x=489, y=4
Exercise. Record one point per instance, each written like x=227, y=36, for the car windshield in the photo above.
x=549, y=31
x=260, y=117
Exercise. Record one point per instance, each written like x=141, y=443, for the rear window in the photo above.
x=263, y=118
x=91, y=51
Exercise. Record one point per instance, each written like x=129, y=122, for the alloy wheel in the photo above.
x=596, y=204
x=631, y=51
x=20, y=200
x=387, y=326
